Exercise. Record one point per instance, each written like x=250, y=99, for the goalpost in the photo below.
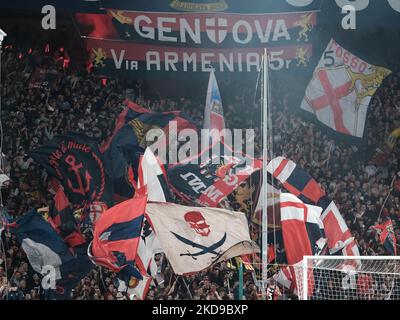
x=348, y=278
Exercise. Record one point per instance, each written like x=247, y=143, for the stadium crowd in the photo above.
x=80, y=101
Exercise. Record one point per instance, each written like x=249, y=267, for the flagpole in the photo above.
x=240, y=267
x=264, y=173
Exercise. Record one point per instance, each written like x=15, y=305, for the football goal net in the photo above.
x=348, y=278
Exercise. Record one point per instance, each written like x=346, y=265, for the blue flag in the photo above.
x=46, y=251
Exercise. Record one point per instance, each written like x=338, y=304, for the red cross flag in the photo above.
x=341, y=90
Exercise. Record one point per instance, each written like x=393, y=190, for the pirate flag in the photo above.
x=195, y=238
x=75, y=160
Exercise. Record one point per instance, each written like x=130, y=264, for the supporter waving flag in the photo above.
x=386, y=236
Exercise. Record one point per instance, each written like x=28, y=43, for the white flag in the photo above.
x=153, y=179
x=194, y=238
x=341, y=90
x=137, y=289
x=213, y=112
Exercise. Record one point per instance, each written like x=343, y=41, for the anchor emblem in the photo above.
x=81, y=189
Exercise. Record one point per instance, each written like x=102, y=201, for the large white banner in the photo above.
x=194, y=238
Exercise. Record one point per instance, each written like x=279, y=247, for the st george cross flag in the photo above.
x=340, y=240
x=213, y=112
x=301, y=228
x=195, y=238
x=341, y=89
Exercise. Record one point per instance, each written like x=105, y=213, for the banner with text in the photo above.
x=152, y=41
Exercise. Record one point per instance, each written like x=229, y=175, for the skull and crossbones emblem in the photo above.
x=197, y=223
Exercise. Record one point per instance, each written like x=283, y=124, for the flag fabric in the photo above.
x=195, y=238
x=153, y=178
x=213, y=112
x=336, y=230
x=44, y=247
x=62, y=219
x=123, y=149
x=341, y=89
x=387, y=238
x=210, y=181
x=340, y=240
x=290, y=278
x=273, y=210
x=92, y=212
x=153, y=181
x=75, y=160
x=122, y=158
x=136, y=289
x=116, y=236
x=296, y=180
x=233, y=264
x=142, y=120
x=301, y=228
x=246, y=260
x=286, y=277
x=80, y=267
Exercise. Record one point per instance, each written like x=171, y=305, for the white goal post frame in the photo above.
x=307, y=258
